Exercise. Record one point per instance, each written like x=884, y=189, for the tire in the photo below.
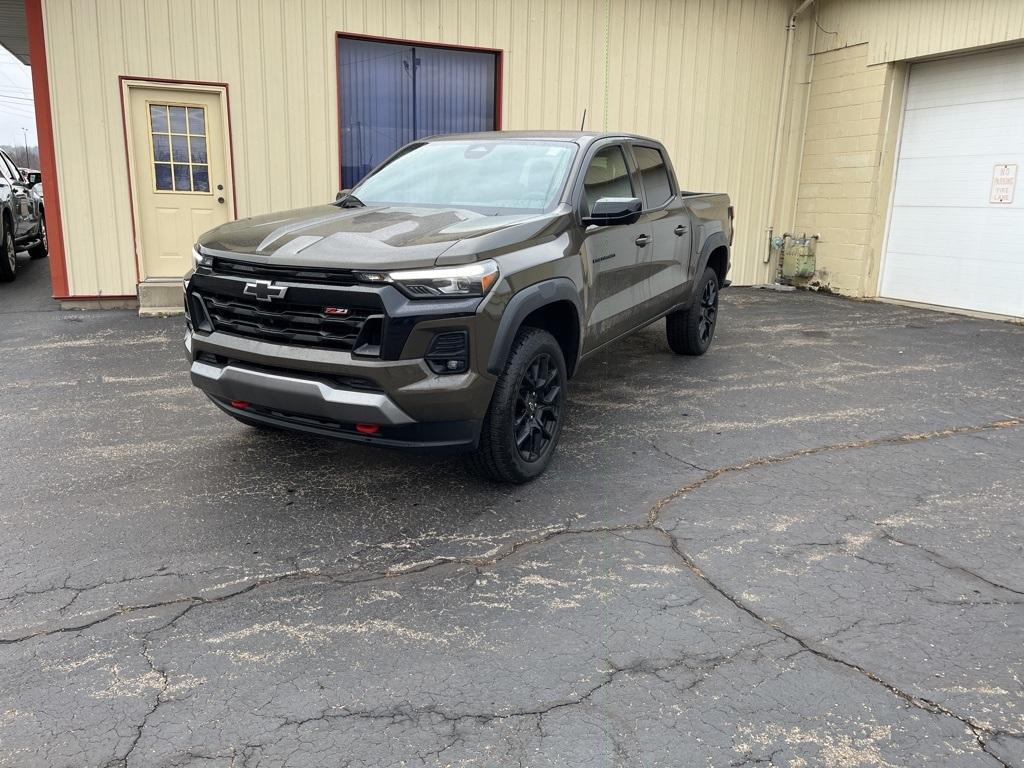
x=40, y=249
x=524, y=420
x=8, y=264
x=691, y=330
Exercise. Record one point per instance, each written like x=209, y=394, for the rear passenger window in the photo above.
x=607, y=176
x=654, y=175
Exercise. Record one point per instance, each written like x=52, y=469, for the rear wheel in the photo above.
x=8, y=263
x=40, y=249
x=691, y=330
x=524, y=420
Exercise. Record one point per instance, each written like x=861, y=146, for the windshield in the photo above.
x=524, y=175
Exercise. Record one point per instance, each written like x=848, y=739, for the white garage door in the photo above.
x=949, y=242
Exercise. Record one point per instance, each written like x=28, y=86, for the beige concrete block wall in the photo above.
x=838, y=194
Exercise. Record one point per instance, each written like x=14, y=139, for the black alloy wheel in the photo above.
x=708, y=312
x=519, y=433
x=689, y=331
x=538, y=408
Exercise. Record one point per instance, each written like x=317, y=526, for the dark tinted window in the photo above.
x=607, y=176
x=654, y=175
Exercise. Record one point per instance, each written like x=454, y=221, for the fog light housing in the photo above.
x=449, y=353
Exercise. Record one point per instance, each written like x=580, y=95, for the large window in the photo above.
x=391, y=94
x=489, y=175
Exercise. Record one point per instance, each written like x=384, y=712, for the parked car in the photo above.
x=34, y=180
x=447, y=299
x=22, y=219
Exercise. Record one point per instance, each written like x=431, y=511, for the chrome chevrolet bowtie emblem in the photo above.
x=264, y=290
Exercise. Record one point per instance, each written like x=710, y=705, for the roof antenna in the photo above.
x=584, y=120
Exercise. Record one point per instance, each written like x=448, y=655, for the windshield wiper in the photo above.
x=350, y=201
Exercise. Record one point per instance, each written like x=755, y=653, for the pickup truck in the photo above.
x=22, y=218
x=448, y=298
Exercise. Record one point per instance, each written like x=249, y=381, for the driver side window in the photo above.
x=607, y=176
x=5, y=170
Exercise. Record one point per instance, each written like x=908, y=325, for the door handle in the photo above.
x=681, y=230
x=642, y=240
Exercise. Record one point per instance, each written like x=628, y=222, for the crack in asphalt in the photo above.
x=765, y=461
x=944, y=562
x=978, y=730
x=672, y=456
x=157, y=701
x=650, y=523
x=703, y=669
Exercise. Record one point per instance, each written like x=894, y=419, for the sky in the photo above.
x=15, y=101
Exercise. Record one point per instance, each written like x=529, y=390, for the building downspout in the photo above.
x=780, y=120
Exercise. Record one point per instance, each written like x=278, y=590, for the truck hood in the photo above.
x=389, y=237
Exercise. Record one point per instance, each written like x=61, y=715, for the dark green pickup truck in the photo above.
x=446, y=301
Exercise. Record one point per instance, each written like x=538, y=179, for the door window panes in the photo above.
x=654, y=175
x=180, y=159
x=607, y=176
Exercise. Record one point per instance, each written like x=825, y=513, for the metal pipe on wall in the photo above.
x=780, y=119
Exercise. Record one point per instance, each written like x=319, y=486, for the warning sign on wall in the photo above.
x=1004, y=180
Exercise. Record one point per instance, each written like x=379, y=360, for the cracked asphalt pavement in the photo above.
x=804, y=549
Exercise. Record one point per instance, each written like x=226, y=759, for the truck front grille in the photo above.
x=288, y=323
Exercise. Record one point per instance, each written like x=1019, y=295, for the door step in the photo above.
x=159, y=297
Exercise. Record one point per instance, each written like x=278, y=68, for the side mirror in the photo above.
x=614, y=210
x=34, y=178
x=341, y=194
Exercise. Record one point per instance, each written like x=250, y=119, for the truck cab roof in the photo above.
x=582, y=138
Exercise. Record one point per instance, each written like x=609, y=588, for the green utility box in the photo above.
x=798, y=255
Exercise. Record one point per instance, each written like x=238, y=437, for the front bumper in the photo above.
x=284, y=377
x=297, y=395
x=300, y=401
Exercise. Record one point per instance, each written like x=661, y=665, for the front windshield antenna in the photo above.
x=584, y=120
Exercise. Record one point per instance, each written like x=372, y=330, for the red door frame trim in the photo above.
x=127, y=160
x=499, y=73
x=47, y=153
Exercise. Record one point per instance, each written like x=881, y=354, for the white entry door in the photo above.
x=956, y=237
x=181, y=173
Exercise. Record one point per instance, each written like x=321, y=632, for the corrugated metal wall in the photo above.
x=703, y=75
x=907, y=29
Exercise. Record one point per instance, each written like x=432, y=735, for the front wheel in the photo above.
x=691, y=330
x=524, y=419
x=8, y=262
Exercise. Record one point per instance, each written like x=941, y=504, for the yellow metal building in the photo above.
x=796, y=109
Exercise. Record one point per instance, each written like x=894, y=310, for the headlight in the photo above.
x=457, y=282
x=200, y=259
